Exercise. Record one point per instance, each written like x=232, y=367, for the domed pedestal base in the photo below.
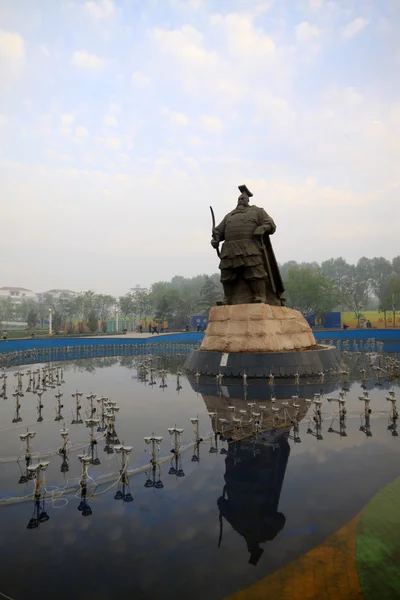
x=322, y=359
x=258, y=339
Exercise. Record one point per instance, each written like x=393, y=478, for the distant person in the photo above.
x=5, y=335
x=187, y=328
x=345, y=326
x=162, y=329
x=155, y=330
x=150, y=328
x=198, y=328
x=140, y=328
x=369, y=324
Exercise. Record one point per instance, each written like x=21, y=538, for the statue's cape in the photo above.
x=274, y=265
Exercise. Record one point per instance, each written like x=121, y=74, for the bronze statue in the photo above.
x=249, y=271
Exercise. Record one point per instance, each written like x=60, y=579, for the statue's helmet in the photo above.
x=245, y=190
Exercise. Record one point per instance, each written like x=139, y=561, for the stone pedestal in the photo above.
x=256, y=328
x=259, y=340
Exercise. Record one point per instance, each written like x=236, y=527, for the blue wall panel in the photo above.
x=333, y=319
x=192, y=337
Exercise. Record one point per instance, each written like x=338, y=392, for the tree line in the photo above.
x=313, y=288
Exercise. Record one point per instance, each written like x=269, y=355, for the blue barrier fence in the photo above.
x=176, y=338
x=358, y=334
x=385, y=335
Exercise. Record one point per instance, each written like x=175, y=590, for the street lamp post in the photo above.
x=50, y=322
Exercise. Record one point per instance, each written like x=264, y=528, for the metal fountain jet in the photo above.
x=63, y=451
x=83, y=506
x=36, y=472
x=59, y=406
x=123, y=492
x=40, y=405
x=155, y=442
x=77, y=418
x=163, y=378
x=92, y=423
x=102, y=401
x=91, y=397
x=26, y=439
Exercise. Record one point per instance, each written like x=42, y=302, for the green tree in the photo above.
x=22, y=310
x=43, y=312
x=127, y=306
x=381, y=271
x=6, y=310
x=93, y=322
x=143, y=303
x=396, y=265
x=209, y=294
x=105, y=305
x=391, y=296
x=57, y=321
x=285, y=268
x=167, y=306
x=336, y=269
x=309, y=291
x=32, y=318
x=355, y=291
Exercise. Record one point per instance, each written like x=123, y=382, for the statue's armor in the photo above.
x=240, y=248
x=244, y=257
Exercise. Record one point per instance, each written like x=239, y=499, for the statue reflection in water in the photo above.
x=256, y=422
x=254, y=474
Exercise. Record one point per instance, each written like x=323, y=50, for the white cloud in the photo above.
x=176, y=118
x=352, y=97
x=192, y=4
x=113, y=143
x=262, y=7
x=244, y=40
x=67, y=119
x=81, y=132
x=343, y=97
x=114, y=108
x=184, y=44
x=140, y=80
x=195, y=141
x=103, y=9
x=315, y=5
x=43, y=48
x=61, y=156
x=84, y=60
x=110, y=121
x=276, y=110
x=306, y=32
x=354, y=28
x=11, y=45
x=212, y=123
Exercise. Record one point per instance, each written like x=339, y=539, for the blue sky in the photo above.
x=121, y=121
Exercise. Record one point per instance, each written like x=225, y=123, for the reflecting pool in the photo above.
x=249, y=476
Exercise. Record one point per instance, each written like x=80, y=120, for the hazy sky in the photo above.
x=121, y=121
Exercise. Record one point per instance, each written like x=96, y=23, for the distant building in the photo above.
x=17, y=294
x=56, y=293
x=138, y=288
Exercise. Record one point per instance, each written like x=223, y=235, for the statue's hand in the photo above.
x=261, y=229
x=214, y=243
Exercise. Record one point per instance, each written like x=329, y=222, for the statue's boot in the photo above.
x=228, y=292
x=258, y=288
